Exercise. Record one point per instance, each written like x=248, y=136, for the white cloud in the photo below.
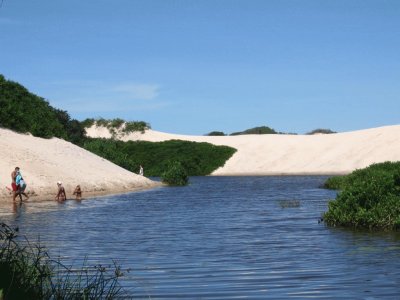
x=138, y=91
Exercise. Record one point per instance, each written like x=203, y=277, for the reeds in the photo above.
x=28, y=272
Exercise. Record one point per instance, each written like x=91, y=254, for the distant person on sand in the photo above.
x=21, y=186
x=78, y=192
x=141, y=170
x=13, y=183
x=61, y=196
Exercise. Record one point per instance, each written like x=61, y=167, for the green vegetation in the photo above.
x=256, y=130
x=321, y=130
x=289, y=203
x=117, y=126
x=175, y=174
x=27, y=272
x=216, y=133
x=24, y=112
x=369, y=198
x=197, y=158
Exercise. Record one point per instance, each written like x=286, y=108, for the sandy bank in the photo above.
x=338, y=153
x=45, y=161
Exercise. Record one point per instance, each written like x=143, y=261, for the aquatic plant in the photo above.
x=369, y=198
x=289, y=203
x=28, y=272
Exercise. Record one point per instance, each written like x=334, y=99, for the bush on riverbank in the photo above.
x=27, y=272
x=369, y=198
x=198, y=159
x=175, y=174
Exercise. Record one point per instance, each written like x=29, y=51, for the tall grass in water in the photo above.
x=28, y=272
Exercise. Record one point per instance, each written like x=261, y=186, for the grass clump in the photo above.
x=369, y=198
x=28, y=272
x=175, y=174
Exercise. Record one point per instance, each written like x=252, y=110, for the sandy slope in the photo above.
x=293, y=154
x=45, y=161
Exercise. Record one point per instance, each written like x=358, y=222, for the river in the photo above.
x=220, y=238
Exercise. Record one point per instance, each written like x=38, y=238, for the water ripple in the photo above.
x=221, y=238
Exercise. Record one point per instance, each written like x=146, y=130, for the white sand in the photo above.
x=338, y=153
x=45, y=161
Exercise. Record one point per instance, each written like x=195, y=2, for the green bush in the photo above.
x=28, y=272
x=24, y=112
x=341, y=182
x=216, y=133
x=198, y=159
x=136, y=126
x=335, y=183
x=113, y=125
x=369, y=198
x=175, y=174
x=256, y=130
x=321, y=130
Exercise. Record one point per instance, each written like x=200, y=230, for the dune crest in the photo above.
x=43, y=162
x=273, y=154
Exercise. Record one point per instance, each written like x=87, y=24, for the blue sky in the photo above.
x=192, y=67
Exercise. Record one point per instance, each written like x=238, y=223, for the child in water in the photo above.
x=78, y=192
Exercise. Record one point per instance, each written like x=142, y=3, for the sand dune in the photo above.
x=292, y=154
x=45, y=161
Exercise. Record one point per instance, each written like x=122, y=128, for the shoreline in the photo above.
x=87, y=195
x=277, y=174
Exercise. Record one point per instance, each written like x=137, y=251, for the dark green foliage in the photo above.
x=216, y=133
x=136, y=126
x=197, y=158
x=335, y=183
x=27, y=272
x=257, y=130
x=321, y=130
x=341, y=182
x=175, y=174
x=24, y=112
x=369, y=198
x=89, y=122
x=114, y=125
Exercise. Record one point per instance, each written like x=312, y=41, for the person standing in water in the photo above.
x=21, y=186
x=61, y=196
x=13, y=182
x=78, y=192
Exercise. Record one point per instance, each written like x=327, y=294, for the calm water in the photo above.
x=221, y=238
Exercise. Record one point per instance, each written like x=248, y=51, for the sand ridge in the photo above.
x=273, y=154
x=43, y=162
